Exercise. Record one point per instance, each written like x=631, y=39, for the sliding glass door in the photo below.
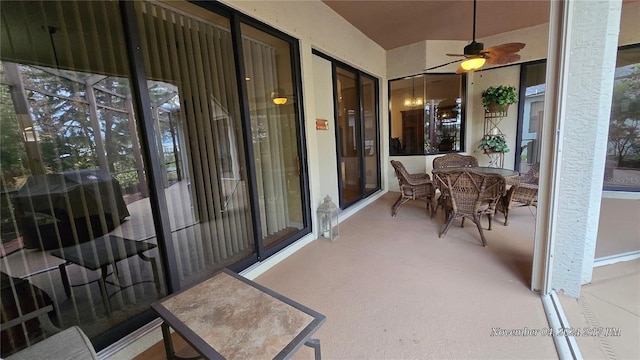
x=370, y=133
x=78, y=235
x=349, y=128
x=139, y=162
x=273, y=113
x=622, y=167
x=356, y=134
x=532, y=90
x=192, y=86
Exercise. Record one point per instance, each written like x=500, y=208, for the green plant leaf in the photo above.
x=495, y=143
x=502, y=95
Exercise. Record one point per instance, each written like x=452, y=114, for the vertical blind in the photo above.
x=75, y=202
x=195, y=57
x=77, y=234
x=267, y=132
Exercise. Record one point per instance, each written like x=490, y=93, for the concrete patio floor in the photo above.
x=392, y=289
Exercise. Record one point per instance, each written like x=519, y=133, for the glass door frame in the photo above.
x=521, y=104
x=151, y=155
x=359, y=74
x=236, y=20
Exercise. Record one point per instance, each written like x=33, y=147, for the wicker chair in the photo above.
x=531, y=177
x=471, y=195
x=454, y=160
x=523, y=192
x=451, y=161
x=413, y=187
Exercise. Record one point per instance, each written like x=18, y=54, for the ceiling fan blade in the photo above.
x=441, y=65
x=456, y=55
x=504, y=59
x=503, y=49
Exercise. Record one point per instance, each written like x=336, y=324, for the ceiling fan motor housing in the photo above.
x=474, y=48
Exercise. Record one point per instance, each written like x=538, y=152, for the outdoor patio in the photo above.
x=391, y=289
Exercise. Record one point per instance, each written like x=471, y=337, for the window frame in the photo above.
x=463, y=113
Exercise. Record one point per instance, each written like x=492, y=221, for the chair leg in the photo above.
x=462, y=223
x=490, y=216
x=396, y=206
x=506, y=216
x=434, y=208
x=447, y=226
x=477, y=221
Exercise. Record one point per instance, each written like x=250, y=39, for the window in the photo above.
x=427, y=114
x=116, y=192
x=622, y=168
x=532, y=89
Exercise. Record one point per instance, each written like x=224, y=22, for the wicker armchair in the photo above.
x=531, y=177
x=454, y=160
x=413, y=187
x=523, y=192
x=471, y=195
x=451, y=161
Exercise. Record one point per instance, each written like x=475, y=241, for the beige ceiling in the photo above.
x=397, y=23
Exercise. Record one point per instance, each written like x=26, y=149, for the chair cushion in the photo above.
x=69, y=344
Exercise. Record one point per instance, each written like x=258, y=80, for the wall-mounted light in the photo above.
x=278, y=97
x=279, y=100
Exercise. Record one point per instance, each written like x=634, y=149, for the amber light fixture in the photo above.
x=278, y=97
x=279, y=100
x=473, y=63
x=413, y=100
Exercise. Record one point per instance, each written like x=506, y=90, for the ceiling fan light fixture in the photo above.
x=474, y=48
x=473, y=63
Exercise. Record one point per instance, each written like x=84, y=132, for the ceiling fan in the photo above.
x=475, y=55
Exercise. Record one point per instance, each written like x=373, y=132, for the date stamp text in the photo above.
x=562, y=331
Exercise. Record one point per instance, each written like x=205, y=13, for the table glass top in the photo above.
x=102, y=251
x=486, y=170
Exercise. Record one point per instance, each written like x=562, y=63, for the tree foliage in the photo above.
x=624, y=127
x=76, y=116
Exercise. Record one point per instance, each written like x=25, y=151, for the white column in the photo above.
x=581, y=63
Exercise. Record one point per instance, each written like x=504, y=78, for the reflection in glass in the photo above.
x=371, y=166
x=532, y=115
x=348, y=126
x=194, y=102
x=77, y=232
x=268, y=70
x=622, y=169
x=426, y=114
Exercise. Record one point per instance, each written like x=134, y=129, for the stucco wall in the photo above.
x=593, y=38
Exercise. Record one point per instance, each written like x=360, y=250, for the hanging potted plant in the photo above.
x=498, y=98
x=494, y=144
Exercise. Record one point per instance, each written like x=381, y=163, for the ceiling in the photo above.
x=392, y=24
